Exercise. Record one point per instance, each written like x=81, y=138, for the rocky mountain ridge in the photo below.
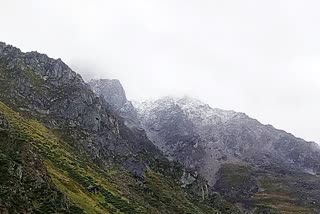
x=64, y=143
x=217, y=140
x=228, y=135
x=115, y=96
x=63, y=149
x=227, y=146
x=50, y=91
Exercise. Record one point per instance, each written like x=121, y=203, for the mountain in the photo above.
x=257, y=166
x=48, y=90
x=65, y=149
x=67, y=146
x=244, y=160
x=115, y=96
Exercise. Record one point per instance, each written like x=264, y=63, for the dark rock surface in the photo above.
x=111, y=90
x=115, y=96
x=223, y=145
x=49, y=90
x=223, y=136
x=255, y=166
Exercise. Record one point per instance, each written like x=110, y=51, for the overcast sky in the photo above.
x=255, y=56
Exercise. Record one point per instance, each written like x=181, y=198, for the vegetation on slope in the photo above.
x=265, y=191
x=42, y=174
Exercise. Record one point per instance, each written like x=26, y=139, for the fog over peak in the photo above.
x=257, y=57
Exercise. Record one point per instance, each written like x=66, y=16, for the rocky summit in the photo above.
x=67, y=146
x=245, y=161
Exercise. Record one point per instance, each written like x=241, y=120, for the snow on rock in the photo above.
x=203, y=137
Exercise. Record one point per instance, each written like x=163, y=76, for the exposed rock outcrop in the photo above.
x=49, y=90
x=61, y=138
x=234, y=152
x=220, y=136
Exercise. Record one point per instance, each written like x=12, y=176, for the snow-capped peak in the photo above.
x=194, y=109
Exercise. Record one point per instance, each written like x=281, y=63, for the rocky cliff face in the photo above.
x=66, y=149
x=64, y=143
x=112, y=91
x=223, y=136
x=219, y=143
x=49, y=90
x=115, y=96
x=235, y=154
x=172, y=131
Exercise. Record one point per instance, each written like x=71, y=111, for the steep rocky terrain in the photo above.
x=64, y=149
x=67, y=146
x=246, y=161
x=115, y=96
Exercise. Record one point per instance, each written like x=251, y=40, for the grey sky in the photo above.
x=253, y=56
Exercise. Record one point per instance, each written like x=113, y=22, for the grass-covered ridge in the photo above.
x=41, y=173
x=37, y=92
x=73, y=183
x=265, y=191
x=287, y=193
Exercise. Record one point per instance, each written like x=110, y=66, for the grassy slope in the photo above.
x=92, y=190
x=85, y=185
x=276, y=193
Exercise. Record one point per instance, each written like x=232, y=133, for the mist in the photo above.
x=257, y=57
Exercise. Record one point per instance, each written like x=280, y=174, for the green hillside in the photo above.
x=42, y=174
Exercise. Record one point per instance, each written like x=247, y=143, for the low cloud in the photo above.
x=258, y=57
